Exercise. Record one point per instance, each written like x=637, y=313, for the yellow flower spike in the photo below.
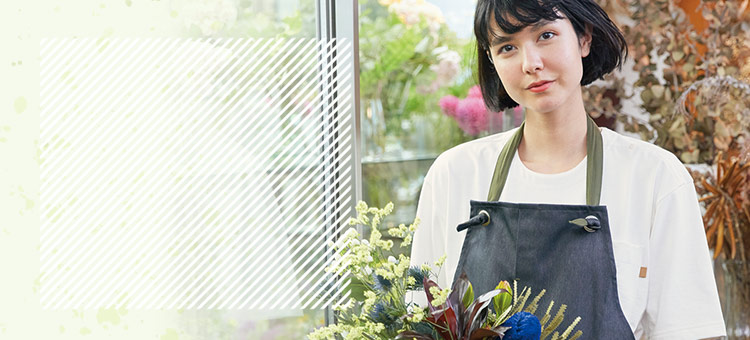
x=375, y=236
x=403, y=265
x=388, y=208
x=375, y=221
x=439, y=295
x=407, y=241
x=395, y=232
x=413, y=227
x=440, y=261
x=388, y=245
x=361, y=207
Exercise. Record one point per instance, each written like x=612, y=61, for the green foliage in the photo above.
x=399, y=71
x=379, y=282
x=503, y=301
x=468, y=296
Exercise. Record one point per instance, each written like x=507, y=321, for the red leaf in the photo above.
x=477, y=311
x=455, y=299
x=450, y=318
x=482, y=333
x=440, y=325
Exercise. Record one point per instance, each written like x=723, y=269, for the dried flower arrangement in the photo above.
x=727, y=215
x=693, y=83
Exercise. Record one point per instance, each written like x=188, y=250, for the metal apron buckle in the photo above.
x=482, y=218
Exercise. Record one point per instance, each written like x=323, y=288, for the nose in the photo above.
x=532, y=61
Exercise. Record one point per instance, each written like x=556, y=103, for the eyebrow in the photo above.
x=497, y=40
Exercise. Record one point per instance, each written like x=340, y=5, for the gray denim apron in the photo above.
x=538, y=245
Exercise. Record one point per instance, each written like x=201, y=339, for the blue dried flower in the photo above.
x=379, y=313
x=381, y=284
x=523, y=326
x=418, y=274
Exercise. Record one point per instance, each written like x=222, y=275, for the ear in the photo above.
x=585, y=42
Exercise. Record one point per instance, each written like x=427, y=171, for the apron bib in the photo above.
x=538, y=245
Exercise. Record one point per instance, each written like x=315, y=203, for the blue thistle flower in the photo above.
x=418, y=274
x=379, y=313
x=523, y=326
x=382, y=284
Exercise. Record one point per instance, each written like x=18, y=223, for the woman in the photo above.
x=609, y=225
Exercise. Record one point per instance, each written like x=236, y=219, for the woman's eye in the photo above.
x=505, y=49
x=546, y=35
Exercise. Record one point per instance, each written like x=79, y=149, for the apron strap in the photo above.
x=594, y=159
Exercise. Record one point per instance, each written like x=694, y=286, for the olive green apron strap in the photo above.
x=503, y=164
x=594, y=161
x=594, y=157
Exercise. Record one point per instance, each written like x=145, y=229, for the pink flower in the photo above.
x=448, y=105
x=471, y=115
x=475, y=92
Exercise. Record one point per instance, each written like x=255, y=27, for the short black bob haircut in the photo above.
x=608, y=47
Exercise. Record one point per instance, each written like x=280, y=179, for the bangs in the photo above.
x=511, y=16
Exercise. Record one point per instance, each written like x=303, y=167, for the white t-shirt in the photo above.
x=654, y=218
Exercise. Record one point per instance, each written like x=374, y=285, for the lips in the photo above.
x=539, y=86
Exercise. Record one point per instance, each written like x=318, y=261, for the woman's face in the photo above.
x=540, y=66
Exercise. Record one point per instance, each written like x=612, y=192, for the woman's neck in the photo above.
x=553, y=143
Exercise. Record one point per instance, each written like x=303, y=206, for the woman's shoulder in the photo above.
x=627, y=151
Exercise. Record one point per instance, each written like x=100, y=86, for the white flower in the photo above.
x=449, y=64
x=392, y=259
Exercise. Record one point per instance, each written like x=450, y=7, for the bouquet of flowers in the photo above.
x=381, y=310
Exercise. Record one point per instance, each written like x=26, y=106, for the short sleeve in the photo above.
x=683, y=302
x=429, y=239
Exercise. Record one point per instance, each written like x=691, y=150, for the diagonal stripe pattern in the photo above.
x=194, y=173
